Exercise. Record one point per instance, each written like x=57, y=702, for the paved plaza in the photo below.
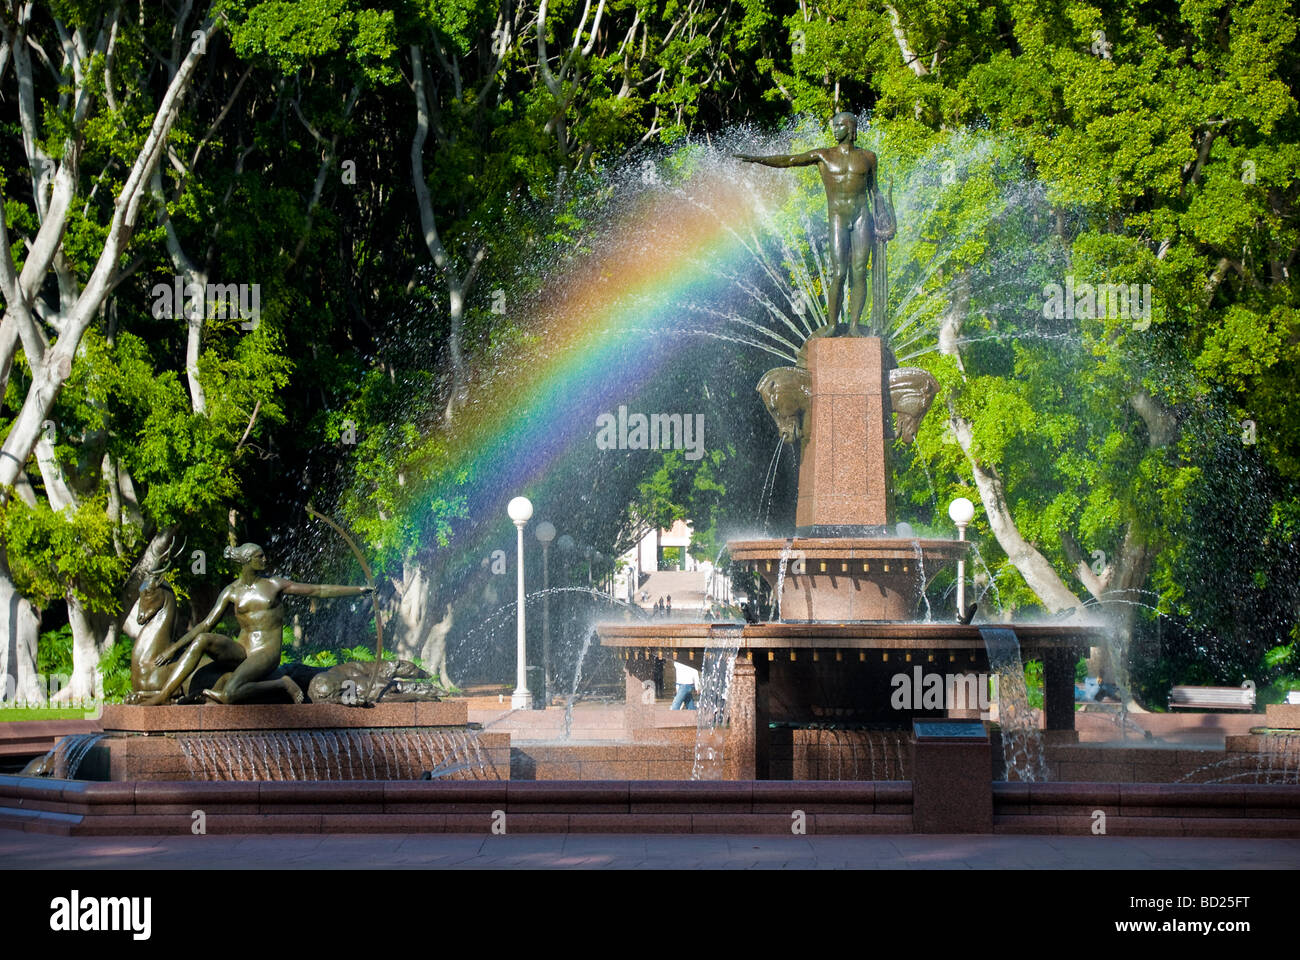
x=547, y=851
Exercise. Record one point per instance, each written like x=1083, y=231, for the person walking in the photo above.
x=688, y=679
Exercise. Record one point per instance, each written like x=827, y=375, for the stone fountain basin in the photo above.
x=846, y=672
x=847, y=578
x=302, y=741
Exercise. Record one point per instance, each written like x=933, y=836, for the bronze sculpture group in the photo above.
x=160, y=669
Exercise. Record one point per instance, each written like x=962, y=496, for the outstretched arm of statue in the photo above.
x=811, y=158
x=203, y=626
x=323, y=590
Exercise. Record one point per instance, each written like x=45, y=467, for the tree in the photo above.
x=1164, y=145
x=52, y=296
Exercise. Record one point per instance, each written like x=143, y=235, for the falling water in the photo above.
x=1022, y=742
x=200, y=755
x=292, y=755
x=188, y=753
x=993, y=580
x=577, y=676
x=77, y=752
x=479, y=758
x=310, y=750
x=934, y=497
x=71, y=750
x=1278, y=763
x=780, y=578
x=769, y=484
x=836, y=753
x=920, y=570
x=712, y=716
x=470, y=640
x=319, y=747
x=229, y=757
x=366, y=752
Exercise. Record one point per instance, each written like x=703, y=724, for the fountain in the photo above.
x=851, y=679
x=847, y=595
x=845, y=588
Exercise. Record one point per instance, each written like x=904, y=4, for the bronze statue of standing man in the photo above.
x=860, y=222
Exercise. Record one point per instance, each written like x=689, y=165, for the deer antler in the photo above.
x=165, y=561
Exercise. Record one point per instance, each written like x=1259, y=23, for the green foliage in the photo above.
x=54, y=652
x=54, y=554
x=295, y=35
x=321, y=658
x=115, y=671
x=1034, y=684
x=359, y=652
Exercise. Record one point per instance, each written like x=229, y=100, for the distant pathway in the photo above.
x=19, y=851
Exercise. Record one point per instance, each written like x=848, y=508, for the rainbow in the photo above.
x=594, y=328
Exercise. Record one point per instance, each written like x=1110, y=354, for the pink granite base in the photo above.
x=281, y=716
x=308, y=755
x=951, y=783
x=744, y=807
x=846, y=578
x=1284, y=716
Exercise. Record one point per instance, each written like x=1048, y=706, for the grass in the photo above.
x=10, y=714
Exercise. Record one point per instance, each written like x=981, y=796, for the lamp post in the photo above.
x=545, y=533
x=962, y=511
x=520, y=510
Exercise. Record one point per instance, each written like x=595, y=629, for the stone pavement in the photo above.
x=22, y=851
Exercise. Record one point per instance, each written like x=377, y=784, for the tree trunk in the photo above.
x=1039, y=574
x=434, y=652
x=19, y=632
x=51, y=371
x=415, y=634
x=458, y=286
x=85, y=653
x=407, y=617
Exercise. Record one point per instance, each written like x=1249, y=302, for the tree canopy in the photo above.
x=257, y=254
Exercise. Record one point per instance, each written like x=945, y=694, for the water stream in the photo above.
x=68, y=753
x=370, y=754
x=780, y=578
x=1278, y=762
x=712, y=717
x=1022, y=741
x=577, y=676
x=920, y=572
x=770, y=483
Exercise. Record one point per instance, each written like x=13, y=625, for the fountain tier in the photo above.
x=396, y=741
x=846, y=578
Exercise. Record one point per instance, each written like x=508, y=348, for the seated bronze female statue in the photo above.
x=255, y=654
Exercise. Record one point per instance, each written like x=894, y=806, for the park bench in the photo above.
x=1212, y=698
